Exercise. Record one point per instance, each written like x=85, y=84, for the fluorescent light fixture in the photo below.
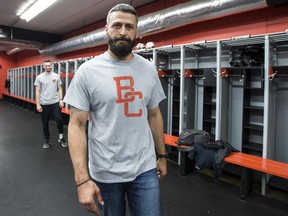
x=36, y=9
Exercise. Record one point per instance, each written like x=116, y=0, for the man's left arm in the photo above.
x=156, y=124
x=60, y=93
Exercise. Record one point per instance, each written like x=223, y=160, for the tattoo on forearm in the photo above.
x=73, y=110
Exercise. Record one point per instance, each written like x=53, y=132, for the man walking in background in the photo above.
x=49, y=101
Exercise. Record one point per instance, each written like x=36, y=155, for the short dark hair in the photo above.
x=47, y=61
x=125, y=8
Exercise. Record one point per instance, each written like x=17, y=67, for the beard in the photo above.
x=121, y=47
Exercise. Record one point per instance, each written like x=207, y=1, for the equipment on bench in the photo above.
x=188, y=137
x=211, y=154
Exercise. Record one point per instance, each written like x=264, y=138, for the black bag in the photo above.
x=189, y=136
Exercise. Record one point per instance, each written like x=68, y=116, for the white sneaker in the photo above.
x=63, y=142
x=46, y=145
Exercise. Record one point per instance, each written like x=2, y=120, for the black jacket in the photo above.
x=206, y=158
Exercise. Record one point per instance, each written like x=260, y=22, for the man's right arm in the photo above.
x=78, y=144
x=37, y=98
x=86, y=188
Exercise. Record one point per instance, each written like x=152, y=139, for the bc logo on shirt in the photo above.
x=127, y=94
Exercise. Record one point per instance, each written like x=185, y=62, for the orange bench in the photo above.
x=19, y=98
x=257, y=163
x=185, y=162
x=170, y=140
x=247, y=162
x=21, y=101
x=28, y=103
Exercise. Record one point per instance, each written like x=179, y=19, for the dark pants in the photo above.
x=48, y=111
x=143, y=196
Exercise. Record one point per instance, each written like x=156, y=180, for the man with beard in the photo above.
x=49, y=101
x=121, y=93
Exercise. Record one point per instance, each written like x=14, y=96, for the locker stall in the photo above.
x=245, y=88
x=201, y=61
x=167, y=60
x=278, y=96
x=278, y=83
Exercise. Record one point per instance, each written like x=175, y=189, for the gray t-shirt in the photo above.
x=48, y=83
x=118, y=95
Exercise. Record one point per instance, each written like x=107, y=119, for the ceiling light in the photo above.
x=36, y=8
x=25, y=6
